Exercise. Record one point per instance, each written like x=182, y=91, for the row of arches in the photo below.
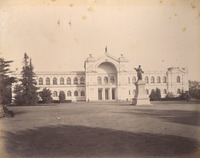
x=62, y=81
x=106, y=80
x=152, y=79
x=69, y=93
x=158, y=79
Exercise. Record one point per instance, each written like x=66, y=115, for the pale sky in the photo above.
x=60, y=34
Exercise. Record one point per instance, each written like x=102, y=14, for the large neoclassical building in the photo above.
x=108, y=78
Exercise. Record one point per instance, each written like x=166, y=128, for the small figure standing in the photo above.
x=139, y=72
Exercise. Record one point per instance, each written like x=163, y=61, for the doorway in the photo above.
x=106, y=94
x=113, y=93
x=99, y=94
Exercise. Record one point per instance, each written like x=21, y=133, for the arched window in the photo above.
x=133, y=79
x=147, y=91
x=82, y=93
x=82, y=80
x=178, y=79
x=134, y=91
x=76, y=93
x=178, y=91
x=99, y=80
x=61, y=81
x=54, y=81
x=40, y=81
x=55, y=94
x=68, y=80
x=152, y=79
x=69, y=93
x=75, y=80
x=164, y=79
x=164, y=91
x=112, y=80
x=146, y=79
x=106, y=80
x=129, y=81
x=158, y=79
x=47, y=81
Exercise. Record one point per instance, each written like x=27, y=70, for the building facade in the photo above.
x=108, y=78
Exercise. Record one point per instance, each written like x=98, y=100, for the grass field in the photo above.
x=102, y=129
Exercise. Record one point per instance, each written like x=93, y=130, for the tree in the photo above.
x=152, y=95
x=158, y=94
x=18, y=91
x=194, y=89
x=61, y=97
x=5, y=82
x=184, y=95
x=155, y=94
x=45, y=94
x=170, y=95
x=26, y=92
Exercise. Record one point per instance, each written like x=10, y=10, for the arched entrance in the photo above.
x=107, y=81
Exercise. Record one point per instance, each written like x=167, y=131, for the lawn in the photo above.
x=102, y=129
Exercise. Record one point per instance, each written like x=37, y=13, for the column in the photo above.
x=110, y=94
x=103, y=93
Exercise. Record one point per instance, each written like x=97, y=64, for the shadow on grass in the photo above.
x=80, y=141
x=178, y=102
x=175, y=116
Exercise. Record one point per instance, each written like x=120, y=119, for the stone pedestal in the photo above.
x=141, y=98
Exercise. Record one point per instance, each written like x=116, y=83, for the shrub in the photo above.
x=45, y=95
x=155, y=94
x=170, y=95
x=152, y=95
x=61, y=97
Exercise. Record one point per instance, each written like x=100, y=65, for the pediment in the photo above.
x=108, y=58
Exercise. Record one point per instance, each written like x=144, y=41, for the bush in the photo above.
x=62, y=97
x=45, y=94
x=170, y=95
x=152, y=96
x=155, y=94
x=184, y=96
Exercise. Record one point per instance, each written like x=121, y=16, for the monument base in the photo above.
x=141, y=98
x=141, y=101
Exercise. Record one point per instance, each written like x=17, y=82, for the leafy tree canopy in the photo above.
x=194, y=89
x=45, y=95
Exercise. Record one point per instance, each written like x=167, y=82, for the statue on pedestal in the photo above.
x=139, y=72
x=140, y=98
